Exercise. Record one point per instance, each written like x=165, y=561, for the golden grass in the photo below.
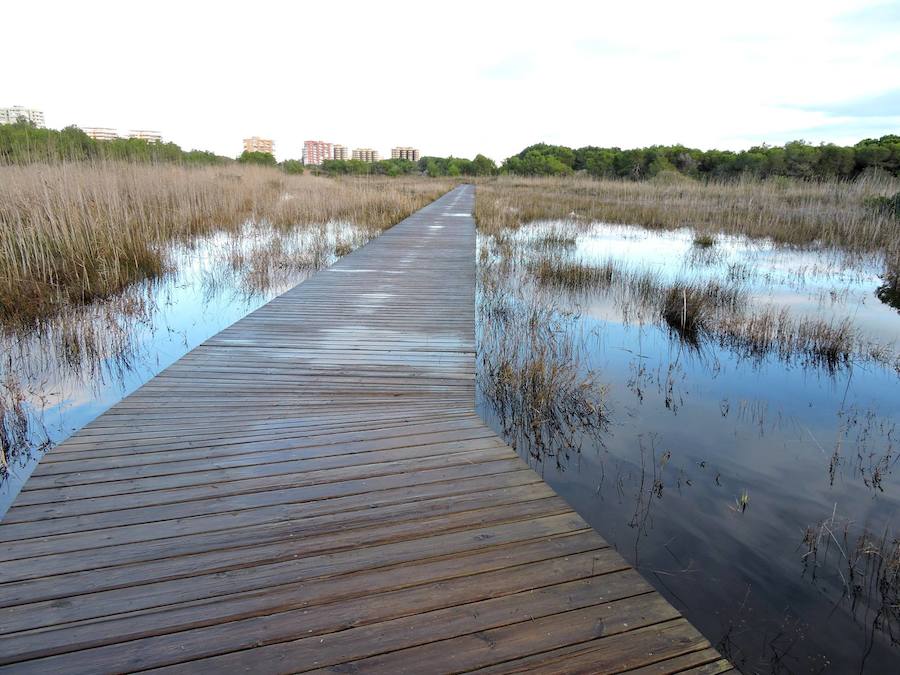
x=790, y=212
x=75, y=232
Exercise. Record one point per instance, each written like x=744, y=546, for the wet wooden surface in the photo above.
x=312, y=490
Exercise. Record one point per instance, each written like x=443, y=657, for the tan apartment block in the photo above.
x=366, y=155
x=257, y=144
x=405, y=152
x=341, y=152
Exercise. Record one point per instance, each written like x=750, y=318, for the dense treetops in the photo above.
x=431, y=166
x=796, y=159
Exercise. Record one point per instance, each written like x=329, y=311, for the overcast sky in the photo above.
x=460, y=77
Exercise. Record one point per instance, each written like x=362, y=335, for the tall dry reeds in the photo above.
x=74, y=232
x=790, y=212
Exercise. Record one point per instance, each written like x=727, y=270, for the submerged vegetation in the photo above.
x=863, y=567
x=725, y=331
x=75, y=232
x=534, y=375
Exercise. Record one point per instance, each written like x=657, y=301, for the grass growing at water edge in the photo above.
x=77, y=232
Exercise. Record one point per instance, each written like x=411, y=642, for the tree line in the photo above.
x=24, y=143
x=797, y=159
x=431, y=166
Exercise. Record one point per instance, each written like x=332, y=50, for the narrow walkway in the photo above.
x=311, y=490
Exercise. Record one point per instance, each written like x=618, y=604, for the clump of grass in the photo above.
x=342, y=248
x=692, y=309
x=533, y=377
x=572, y=274
x=555, y=237
x=686, y=310
x=889, y=291
x=18, y=435
x=704, y=240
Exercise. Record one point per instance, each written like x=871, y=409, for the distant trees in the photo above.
x=457, y=166
x=24, y=143
x=484, y=166
x=294, y=166
x=431, y=166
x=260, y=158
x=357, y=167
x=796, y=159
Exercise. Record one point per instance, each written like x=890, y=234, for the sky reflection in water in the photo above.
x=693, y=430
x=162, y=320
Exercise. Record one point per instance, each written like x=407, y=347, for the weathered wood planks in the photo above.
x=311, y=490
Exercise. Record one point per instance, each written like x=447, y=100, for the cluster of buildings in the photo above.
x=316, y=152
x=15, y=113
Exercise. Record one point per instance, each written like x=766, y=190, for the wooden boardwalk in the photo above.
x=312, y=490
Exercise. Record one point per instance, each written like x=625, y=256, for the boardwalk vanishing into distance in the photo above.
x=312, y=490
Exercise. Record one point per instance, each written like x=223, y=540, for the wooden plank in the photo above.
x=312, y=489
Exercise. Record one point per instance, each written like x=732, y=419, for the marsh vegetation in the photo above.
x=706, y=371
x=741, y=345
x=111, y=271
x=79, y=232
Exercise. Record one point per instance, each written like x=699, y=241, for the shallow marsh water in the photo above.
x=738, y=484
x=56, y=378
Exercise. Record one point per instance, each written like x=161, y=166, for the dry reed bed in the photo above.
x=75, y=232
x=790, y=212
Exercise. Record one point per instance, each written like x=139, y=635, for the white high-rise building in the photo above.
x=144, y=135
x=101, y=133
x=15, y=113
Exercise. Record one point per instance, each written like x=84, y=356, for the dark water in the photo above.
x=714, y=466
x=78, y=364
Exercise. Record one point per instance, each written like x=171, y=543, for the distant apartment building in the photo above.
x=316, y=152
x=101, y=133
x=144, y=135
x=341, y=152
x=366, y=155
x=412, y=154
x=15, y=113
x=257, y=144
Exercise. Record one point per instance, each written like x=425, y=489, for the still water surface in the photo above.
x=716, y=471
x=714, y=475
x=81, y=363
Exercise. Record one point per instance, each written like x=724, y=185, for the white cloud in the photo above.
x=456, y=78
